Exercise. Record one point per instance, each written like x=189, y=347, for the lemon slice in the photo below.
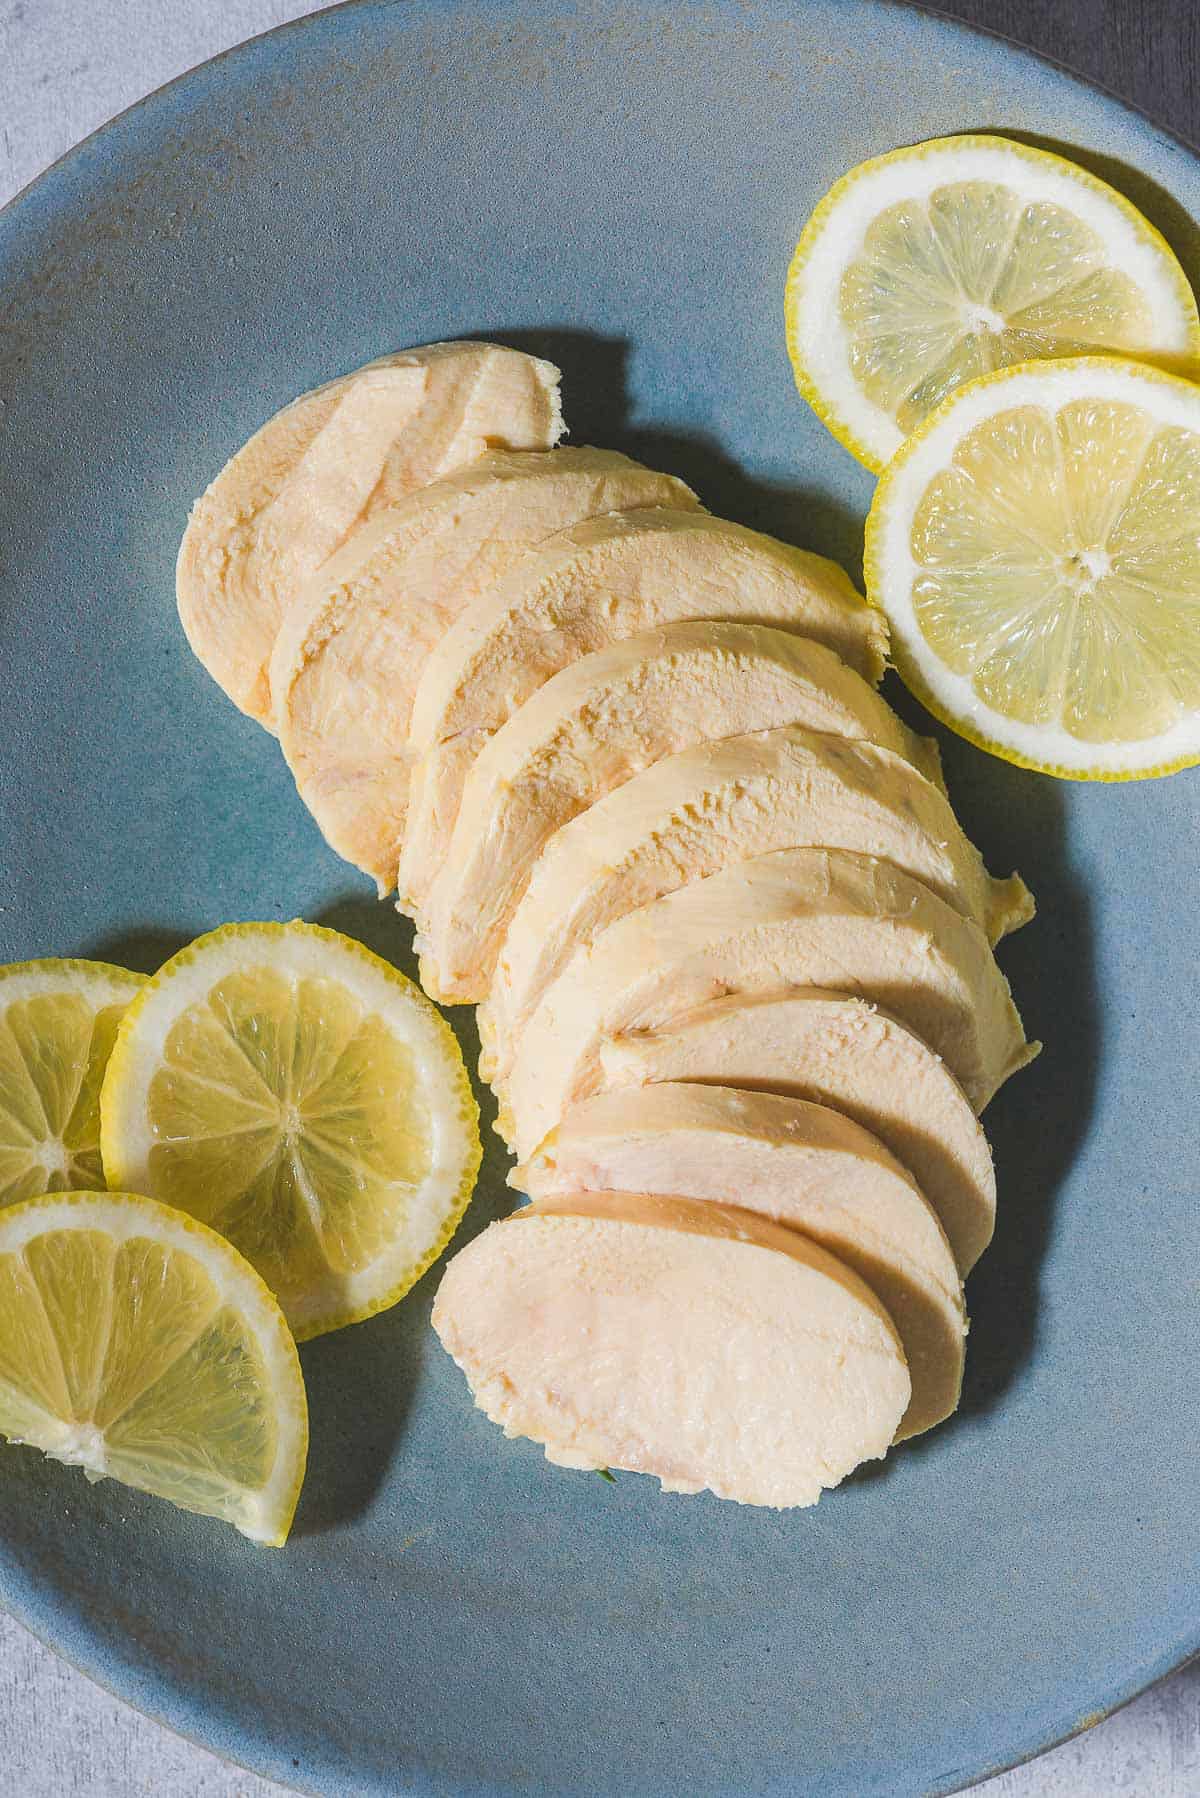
x=933, y=265
x=57, y=1024
x=138, y=1345
x=291, y=1089
x=1036, y=547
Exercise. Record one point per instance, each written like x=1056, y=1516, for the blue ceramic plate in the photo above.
x=617, y=184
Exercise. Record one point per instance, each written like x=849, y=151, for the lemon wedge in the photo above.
x=58, y=1020
x=286, y=1086
x=140, y=1346
x=1036, y=547
x=933, y=265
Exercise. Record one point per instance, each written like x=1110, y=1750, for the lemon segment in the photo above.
x=932, y=266
x=302, y=1097
x=58, y=1020
x=140, y=1346
x=1036, y=547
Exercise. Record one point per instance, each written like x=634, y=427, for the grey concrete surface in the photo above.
x=65, y=67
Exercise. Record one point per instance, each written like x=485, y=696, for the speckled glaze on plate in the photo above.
x=617, y=185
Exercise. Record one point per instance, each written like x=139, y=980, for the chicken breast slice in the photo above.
x=704, y=1346
x=793, y=918
x=292, y=495
x=845, y=1053
x=719, y=803
x=798, y=1164
x=349, y=655
x=595, y=725
x=591, y=585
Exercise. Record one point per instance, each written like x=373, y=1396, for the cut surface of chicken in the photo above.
x=350, y=651
x=791, y=918
x=801, y=1165
x=292, y=495
x=719, y=803
x=589, y=586
x=591, y=728
x=844, y=1053
x=704, y=1346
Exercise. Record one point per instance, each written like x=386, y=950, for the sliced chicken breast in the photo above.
x=716, y=804
x=291, y=497
x=594, y=583
x=590, y=729
x=704, y=1346
x=793, y=918
x=797, y=1164
x=350, y=652
x=847, y=1054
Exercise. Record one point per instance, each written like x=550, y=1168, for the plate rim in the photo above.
x=38, y=1624
x=918, y=7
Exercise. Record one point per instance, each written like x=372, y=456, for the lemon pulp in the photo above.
x=1059, y=568
x=58, y=1021
x=971, y=278
x=285, y=1117
x=139, y=1347
x=1036, y=545
x=301, y=1097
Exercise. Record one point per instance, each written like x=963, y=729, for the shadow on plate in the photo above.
x=144, y=948
x=595, y=388
x=376, y=923
x=1038, y=1121
x=361, y=1381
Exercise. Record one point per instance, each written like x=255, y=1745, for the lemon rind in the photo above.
x=817, y=394
x=54, y=973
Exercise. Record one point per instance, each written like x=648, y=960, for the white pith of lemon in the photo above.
x=140, y=1346
x=296, y=1092
x=58, y=1020
x=930, y=266
x=1036, y=547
